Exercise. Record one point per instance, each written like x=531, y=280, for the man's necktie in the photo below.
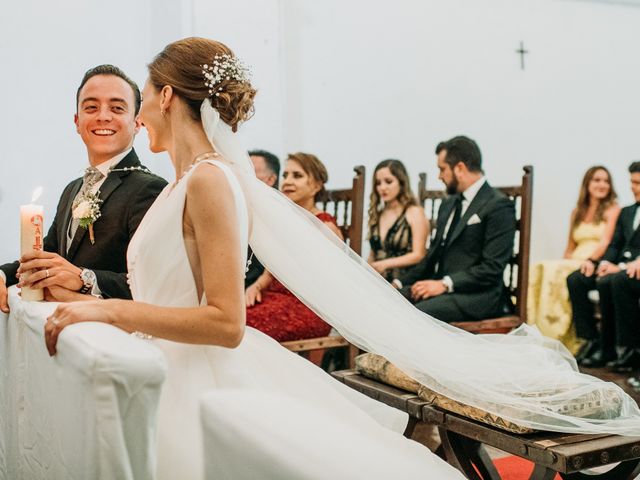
x=91, y=176
x=457, y=210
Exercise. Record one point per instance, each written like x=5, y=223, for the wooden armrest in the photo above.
x=492, y=325
x=315, y=343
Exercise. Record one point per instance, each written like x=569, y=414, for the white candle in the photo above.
x=31, y=238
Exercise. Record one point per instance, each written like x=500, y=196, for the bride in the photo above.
x=186, y=265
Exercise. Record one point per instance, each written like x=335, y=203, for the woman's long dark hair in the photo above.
x=405, y=196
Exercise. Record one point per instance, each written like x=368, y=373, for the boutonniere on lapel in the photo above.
x=87, y=212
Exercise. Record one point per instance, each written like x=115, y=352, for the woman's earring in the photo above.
x=163, y=112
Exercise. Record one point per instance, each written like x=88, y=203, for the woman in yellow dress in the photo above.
x=592, y=224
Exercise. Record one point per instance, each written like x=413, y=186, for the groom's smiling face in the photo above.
x=106, y=118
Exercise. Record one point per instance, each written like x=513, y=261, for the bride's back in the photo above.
x=165, y=261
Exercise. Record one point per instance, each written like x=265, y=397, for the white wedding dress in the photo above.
x=160, y=274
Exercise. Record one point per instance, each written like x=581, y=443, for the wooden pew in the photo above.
x=463, y=440
x=347, y=206
x=516, y=274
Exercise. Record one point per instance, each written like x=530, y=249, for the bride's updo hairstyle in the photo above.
x=180, y=65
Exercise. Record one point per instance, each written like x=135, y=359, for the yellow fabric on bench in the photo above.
x=378, y=368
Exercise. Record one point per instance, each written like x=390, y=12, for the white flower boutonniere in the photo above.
x=87, y=211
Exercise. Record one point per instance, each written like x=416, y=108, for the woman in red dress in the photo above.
x=271, y=308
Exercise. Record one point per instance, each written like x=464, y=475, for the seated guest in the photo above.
x=78, y=260
x=397, y=225
x=461, y=278
x=616, y=276
x=591, y=229
x=271, y=308
x=267, y=167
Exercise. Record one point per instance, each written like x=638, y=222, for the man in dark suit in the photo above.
x=461, y=278
x=616, y=276
x=78, y=260
x=267, y=167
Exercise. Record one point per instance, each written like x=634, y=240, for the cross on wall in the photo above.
x=522, y=52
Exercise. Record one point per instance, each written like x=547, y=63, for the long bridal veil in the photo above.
x=522, y=376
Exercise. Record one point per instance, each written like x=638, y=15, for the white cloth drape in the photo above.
x=87, y=413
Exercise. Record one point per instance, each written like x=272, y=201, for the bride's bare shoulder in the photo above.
x=208, y=182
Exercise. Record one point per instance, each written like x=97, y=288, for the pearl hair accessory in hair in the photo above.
x=224, y=67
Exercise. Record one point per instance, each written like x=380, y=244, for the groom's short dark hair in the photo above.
x=107, y=69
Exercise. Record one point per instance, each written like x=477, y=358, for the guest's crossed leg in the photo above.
x=443, y=307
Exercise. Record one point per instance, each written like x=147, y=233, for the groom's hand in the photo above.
x=4, y=303
x=48, y=270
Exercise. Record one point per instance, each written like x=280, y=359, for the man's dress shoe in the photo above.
x=634, y=382
x=629, y=360
x=597, y=360
x=587, y=349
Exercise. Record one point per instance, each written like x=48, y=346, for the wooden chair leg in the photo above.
x=304, y=354
x=353, y=353
x=481, y=459
x=543, y=473
x=411, y=426
x=468, y=456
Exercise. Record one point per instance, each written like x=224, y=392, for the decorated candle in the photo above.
x=31, y=236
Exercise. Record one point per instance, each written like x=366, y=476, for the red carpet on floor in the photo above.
x=515, y=468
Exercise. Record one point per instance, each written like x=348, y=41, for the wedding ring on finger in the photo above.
x=46, y=274
x=54, y=320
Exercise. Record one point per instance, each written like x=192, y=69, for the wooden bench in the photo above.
x=347, y=206
x=516, y=275
x=463, y=441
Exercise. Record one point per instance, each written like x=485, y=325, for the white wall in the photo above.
x=45, y=48
x=353, y=82
x=252, y=28
x=373, y=82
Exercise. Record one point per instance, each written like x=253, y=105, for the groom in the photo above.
x=461, y=278
x=79, y=260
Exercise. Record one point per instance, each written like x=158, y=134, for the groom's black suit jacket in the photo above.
x=126, y=198
x=625, y=244
x=475, y=254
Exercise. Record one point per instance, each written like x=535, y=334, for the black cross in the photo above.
x=522, y=52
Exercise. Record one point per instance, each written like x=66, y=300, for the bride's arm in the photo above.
x=211, y=210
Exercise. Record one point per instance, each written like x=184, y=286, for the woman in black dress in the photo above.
x=398, y=228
